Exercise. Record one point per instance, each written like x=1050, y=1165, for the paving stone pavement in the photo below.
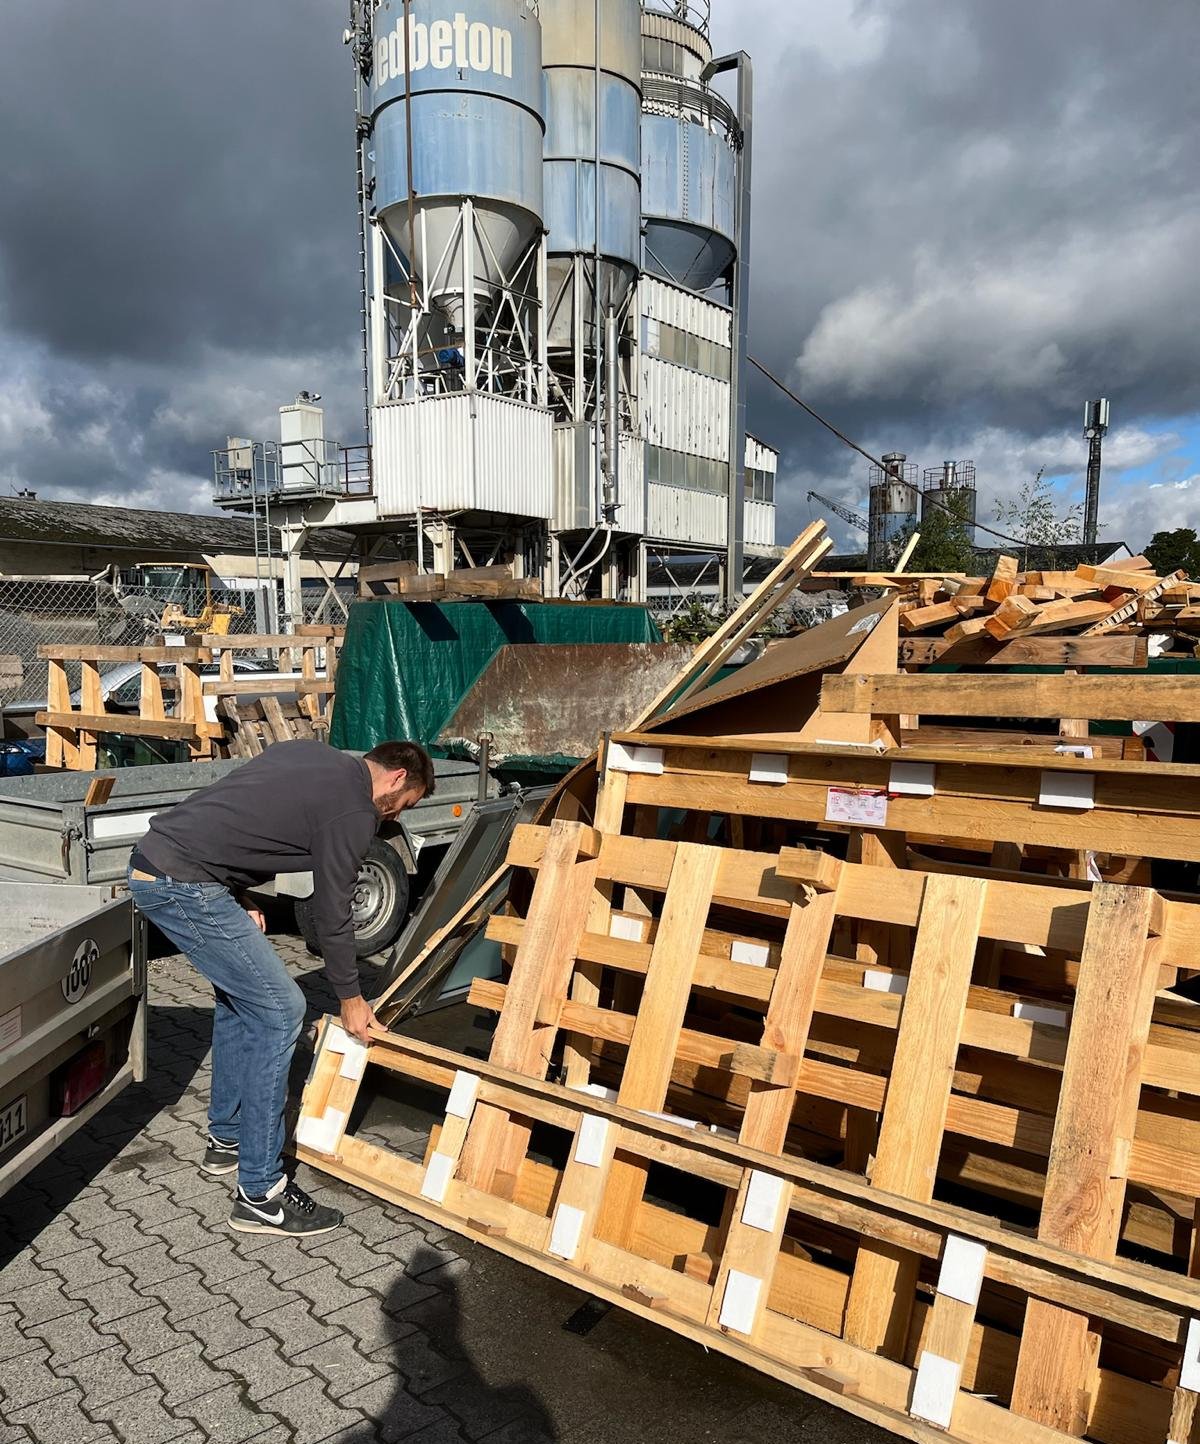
x=130, y=1312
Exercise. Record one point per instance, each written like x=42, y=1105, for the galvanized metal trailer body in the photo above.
x=48, y=833
x=72, y=1014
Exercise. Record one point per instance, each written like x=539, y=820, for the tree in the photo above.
x=1172, y=551
x=1032, y=517
x=945, y=544
x=694, y=622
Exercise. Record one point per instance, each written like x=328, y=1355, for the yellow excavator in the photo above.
x=214, y=618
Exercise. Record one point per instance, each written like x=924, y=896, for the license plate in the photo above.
x=13, y=1123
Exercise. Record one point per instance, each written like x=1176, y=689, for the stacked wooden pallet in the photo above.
x=385, y=581
x=961, y=618
x=834, y=1055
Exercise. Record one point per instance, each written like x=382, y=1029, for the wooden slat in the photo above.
x=754, y=1250
x=918, y=1097
x=96, y=653
x=271, y=641
x=117, y=722
x=1093, y=1142
x=669, y=979
x=1165, y=699
x=1025, y=652
x=541, y=970
x=268, y=687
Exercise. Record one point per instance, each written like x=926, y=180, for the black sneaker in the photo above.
x=219, y=1157
x=286, y=1210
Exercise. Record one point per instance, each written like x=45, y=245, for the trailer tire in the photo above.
x=380, y=908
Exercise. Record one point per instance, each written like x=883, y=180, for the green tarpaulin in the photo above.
x=405, y=666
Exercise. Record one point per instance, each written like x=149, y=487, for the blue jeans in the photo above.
x=258, y=1017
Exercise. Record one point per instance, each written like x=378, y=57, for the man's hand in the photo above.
x=258, y=918
x=357, y=1017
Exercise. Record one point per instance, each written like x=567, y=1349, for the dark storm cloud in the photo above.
x=969, y=217
x=175, y=175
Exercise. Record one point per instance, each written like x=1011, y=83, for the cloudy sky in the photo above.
x=970, y=217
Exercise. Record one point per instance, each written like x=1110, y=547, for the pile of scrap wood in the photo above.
x=834, y=1055
x=1122, y=599
x=385, y=581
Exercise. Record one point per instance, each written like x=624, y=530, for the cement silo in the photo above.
x=451, y=113
x=951, y=486
x=893, y=506
x=591, y=53
x=691, y=142
x=473, y=128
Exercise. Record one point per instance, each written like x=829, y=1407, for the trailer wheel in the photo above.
x=379, y=908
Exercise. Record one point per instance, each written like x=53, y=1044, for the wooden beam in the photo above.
x=1102, y=651
x=1004, y=579
x=108, y=722
x=95, y=653
x=918, y=618
x=918, y=1096
x=1093, y=1142
x=1165, y=699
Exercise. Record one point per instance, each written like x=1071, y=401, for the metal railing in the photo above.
x=696, y=13
x=252, y=472
x=665, y=95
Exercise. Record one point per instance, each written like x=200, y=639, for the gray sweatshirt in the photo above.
x=300, y=807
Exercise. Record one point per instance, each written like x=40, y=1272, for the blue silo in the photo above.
x=476, y=133
x=690, y=145
x=570, y=74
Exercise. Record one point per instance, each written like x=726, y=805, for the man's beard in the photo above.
x=391, y=802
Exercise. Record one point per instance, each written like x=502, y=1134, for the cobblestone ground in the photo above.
x=129, y=1311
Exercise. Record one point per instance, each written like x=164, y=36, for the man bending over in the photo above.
x=300, y=807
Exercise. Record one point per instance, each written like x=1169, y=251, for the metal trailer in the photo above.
x=49, y=834
x=72, y=1014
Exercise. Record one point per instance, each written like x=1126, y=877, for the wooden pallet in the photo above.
x=251, y=727
x=808, y=1271
x=309, y=651
x=72, y=731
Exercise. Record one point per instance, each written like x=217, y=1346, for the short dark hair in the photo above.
x=409, y=757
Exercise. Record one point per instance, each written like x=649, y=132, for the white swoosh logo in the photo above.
x=269, y=1218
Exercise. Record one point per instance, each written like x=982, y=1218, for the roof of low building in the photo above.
x=73, y=523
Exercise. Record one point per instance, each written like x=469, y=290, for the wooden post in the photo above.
x=750, y=1248
x=917, y=1099
x=524, y=1035
x=585, y=981
x=1093, y=1133
x=651, y=1056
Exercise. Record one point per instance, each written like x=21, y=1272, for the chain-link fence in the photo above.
x=36, y=613
x=329, y=610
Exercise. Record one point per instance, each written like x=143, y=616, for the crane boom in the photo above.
x=839, y=510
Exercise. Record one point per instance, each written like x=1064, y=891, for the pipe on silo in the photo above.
x=612, y=416
x=601, y=461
